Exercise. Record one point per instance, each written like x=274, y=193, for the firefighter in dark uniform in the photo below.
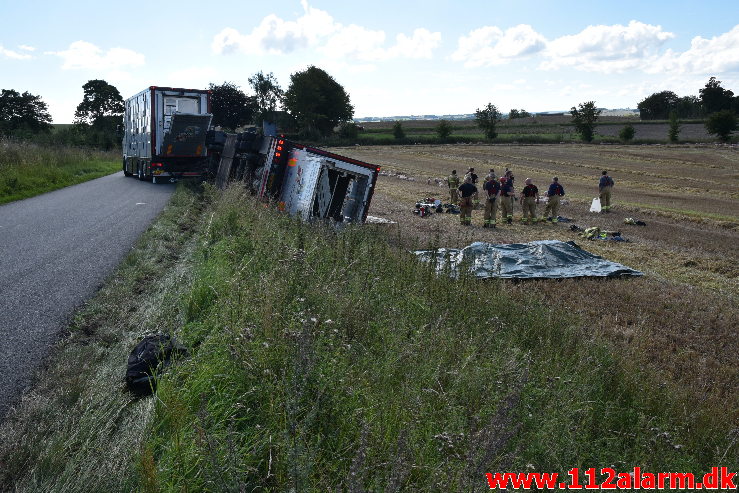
x=473, y=176
x=466, y=191
x=492, y=189
x=554, y=193
x=507, y=196
x=529, y=199
x=605, y=186
x=453, y=182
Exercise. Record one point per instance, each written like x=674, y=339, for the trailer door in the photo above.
x=174, y=105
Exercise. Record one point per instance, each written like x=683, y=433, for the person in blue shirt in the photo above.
x=605, y=186
x=554, y=193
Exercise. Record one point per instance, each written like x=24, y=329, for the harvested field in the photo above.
x=681, y=317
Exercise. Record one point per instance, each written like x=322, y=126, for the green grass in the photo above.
x=324, y=360
x=28, y=169
x=329, y=360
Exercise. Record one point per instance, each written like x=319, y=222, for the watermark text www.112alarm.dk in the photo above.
x=717, y=478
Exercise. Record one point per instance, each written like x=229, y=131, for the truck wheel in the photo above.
x=125, y=171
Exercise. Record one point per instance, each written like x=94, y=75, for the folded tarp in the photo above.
x=548, y=259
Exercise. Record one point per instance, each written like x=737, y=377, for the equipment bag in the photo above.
x=148, y=359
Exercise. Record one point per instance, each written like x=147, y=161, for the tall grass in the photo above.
x=28, y=169
x=329, y=360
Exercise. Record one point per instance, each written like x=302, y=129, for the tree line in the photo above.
x=315, y=106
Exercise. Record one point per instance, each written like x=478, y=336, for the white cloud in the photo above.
x=355, y=42
x=84, y=55
x=489, y=45
x=705, y=56
x=317, y=29
x=197, y=77
x=420, y=45
x=13, y=54
x=26, y=48
x=607, y=48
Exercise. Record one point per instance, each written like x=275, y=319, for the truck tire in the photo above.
x=125, y=171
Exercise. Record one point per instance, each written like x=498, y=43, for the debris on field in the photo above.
x=595, y=233
x=634, y=222
x=548, y=259
x=378, y=220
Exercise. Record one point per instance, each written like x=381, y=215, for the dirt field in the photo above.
x=681, y=317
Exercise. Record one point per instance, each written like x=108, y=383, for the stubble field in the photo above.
x=680, y=318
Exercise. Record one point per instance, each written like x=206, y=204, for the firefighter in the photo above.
x=529, y=199
x=605, y=185
x=492, y=189
x=507, y=196
x=467, y=190
x=453, y=182
x=473, y=176
x=490, y=175
x=554, y=193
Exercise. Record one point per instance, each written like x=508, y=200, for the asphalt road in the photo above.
x=56, y=250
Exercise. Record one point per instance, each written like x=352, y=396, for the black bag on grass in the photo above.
x=148, y=359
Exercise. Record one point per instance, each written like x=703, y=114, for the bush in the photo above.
x=674, y=130
x=348, y=130
x=444, y=129
x=398, y=131
x=627, y=133
x=721, y=124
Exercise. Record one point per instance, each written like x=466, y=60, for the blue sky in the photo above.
x=393, y=57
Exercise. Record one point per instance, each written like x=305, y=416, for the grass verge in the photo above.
x=78, y=428
x=329, y=360
x=28, y=169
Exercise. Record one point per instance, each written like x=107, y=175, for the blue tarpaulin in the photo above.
x=548, y=259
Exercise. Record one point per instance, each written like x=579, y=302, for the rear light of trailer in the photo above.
x=156, y=165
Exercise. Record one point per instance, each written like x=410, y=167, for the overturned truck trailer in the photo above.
x=304, y=181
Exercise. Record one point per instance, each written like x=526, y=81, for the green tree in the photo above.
x=23, y=114
x=513, y=114
x=487, y=119
x=721, y=124
x=101, y=106
x=398, y=131
x=674, y=129
x=98, y=117
x=584, y=118
x=230, y=106
x=658, y=105
x=627, y=133
x=268, y=95
x=443, y=129
x=714, y=97
x=317, y=101
x=689, y=107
